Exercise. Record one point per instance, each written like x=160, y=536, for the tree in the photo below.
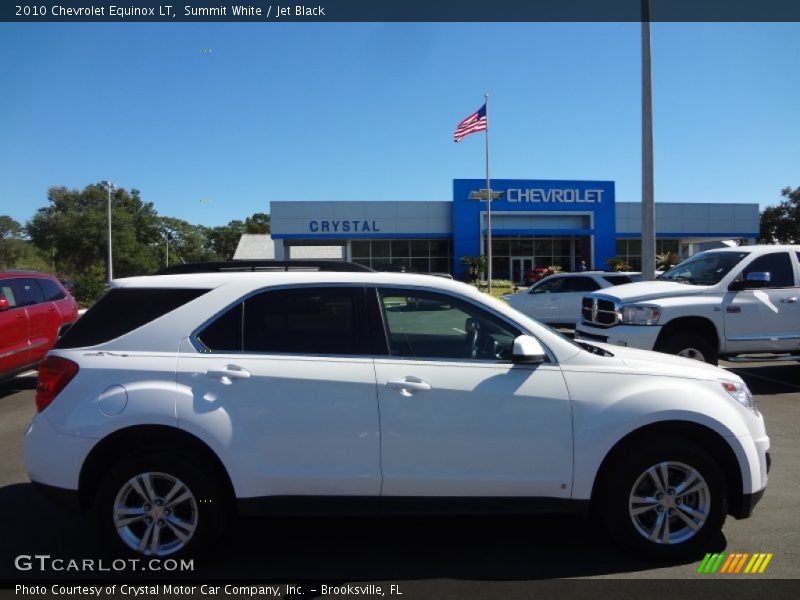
x=476, y=266
x=224, y=239
x=72, y=230
x=258, y=223
x=12, y=246
x=781, y=224
x=187, y=242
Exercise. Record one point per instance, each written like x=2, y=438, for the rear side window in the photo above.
x=321, y=321
x=618, y=279
x=51, y=290
x=121, y=311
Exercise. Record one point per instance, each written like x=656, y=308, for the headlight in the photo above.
x=741, y=393
x=640, y=314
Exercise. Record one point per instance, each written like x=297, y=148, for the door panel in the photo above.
x=480, y=430
x=43, y=318
x=768, y=318
x=458, y=418
x=296, y=425
x=14, y=352
x=288, y=389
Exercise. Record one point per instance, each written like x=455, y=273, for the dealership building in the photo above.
x=535, y=223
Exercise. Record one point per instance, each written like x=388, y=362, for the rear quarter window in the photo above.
x=123, y=310
x=52, y=291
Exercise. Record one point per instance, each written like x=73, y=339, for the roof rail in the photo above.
x=261, y=266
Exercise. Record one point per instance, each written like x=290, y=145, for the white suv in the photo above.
x=180, y=400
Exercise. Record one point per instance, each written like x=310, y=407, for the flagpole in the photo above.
x=488, y=197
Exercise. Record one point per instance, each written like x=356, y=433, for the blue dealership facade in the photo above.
x=535, y=223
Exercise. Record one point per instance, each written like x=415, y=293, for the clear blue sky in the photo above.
x=367, y=111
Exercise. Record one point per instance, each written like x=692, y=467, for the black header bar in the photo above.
x=333, y=11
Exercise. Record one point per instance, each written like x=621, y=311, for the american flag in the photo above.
x=475, y=122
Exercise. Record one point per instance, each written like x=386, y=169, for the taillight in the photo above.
x=54, y=374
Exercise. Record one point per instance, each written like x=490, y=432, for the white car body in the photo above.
x=556, y=299
x=729, y=322
x=376, y=426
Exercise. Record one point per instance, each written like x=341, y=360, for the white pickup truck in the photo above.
x=730, y=303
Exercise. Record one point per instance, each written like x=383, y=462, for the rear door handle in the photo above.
x=406, y=386
x=792, y=300
x=229, y=373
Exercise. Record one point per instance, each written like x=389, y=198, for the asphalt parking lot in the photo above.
x=421, y=553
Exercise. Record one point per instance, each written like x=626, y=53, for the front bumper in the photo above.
x=632, y=336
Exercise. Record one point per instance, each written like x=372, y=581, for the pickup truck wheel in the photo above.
x=689, y=345
x=667, y=499
x=159, y=505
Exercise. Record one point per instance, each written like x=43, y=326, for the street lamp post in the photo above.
x=109, y=185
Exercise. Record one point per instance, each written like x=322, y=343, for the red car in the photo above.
x=34, y=310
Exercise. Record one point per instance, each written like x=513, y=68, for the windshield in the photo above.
x=707, y=268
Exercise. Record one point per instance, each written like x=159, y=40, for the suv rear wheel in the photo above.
x=667, y=500
x=159, y=505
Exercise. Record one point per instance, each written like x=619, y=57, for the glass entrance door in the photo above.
x=520, y=266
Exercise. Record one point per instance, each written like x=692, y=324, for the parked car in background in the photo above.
x=724, y=303
x=35, y=309
x=556, y=300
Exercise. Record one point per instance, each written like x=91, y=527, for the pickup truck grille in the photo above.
x=602, y=312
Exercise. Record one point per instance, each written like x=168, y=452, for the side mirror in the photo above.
x=527, y=350
x=4, y=305
x=754, y=280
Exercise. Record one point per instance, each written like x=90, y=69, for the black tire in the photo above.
x=628, y=472
x=207, y=508
x=690, y=345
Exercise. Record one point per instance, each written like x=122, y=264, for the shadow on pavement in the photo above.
x=19, y=383
x=340, y=549
x=781, y=378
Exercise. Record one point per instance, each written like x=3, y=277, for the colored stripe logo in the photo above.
x=735, y=563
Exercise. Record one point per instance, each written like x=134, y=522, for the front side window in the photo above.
x=707, y=268
x=618, y=279
x=430, y=325
x=7, y=292
x=580, y=284
x=554, y=285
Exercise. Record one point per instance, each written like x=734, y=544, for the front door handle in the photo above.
x=229, y=373
x=408, y=385
x=792, y=300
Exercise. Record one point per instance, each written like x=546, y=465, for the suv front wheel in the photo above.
x=667, y=500
x=689, y=345
x=159, y=505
